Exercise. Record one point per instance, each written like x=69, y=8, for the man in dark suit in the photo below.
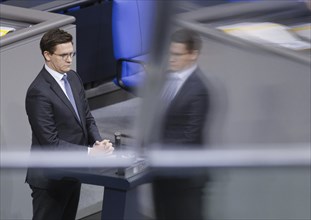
x=60, y=119
x=187, y=103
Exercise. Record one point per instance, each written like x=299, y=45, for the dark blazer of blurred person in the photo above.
x=187, y=106
x=56, y=126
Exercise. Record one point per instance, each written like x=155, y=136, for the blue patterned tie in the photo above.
x=70, y=95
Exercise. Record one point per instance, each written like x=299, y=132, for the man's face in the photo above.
x=61, y=59
x=180, y=58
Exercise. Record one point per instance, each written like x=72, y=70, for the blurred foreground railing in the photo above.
x=285, y=155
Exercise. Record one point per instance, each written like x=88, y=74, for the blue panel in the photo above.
x=125, y=29
x=147, y=13
x=74, y=9
x=131, y=24
x=132, y=27
x=133, y=68
x=134, y=80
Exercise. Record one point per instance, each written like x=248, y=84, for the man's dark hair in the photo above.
x=52, y=38
x=190, y=38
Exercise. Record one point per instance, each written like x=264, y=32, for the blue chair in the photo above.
x=132, y=30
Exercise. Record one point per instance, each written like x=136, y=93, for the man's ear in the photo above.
x=195, y=54
x=47, y=55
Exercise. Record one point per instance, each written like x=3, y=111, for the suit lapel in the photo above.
x=78, y=100
x=59, y=92
x=184, y=91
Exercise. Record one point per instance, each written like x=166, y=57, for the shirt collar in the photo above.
x=185, y=73
x=56, y=75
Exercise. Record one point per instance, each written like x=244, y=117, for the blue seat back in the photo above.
x=132, y=31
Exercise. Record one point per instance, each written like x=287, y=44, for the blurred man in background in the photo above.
x=186, y=101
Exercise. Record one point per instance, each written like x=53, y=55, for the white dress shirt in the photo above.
x=174, y=82
x=58, y=78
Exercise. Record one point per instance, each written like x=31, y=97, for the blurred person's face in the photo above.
x=61, y=59
x=181, y=58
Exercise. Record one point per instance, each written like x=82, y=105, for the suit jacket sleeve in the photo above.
x=91, y=127
x=195, y=122
x=53, y=124
x=44, y=128
x=185, y=118
x=186, y=126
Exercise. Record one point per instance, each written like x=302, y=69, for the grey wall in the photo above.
x=260, y=98
x=266, y=96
